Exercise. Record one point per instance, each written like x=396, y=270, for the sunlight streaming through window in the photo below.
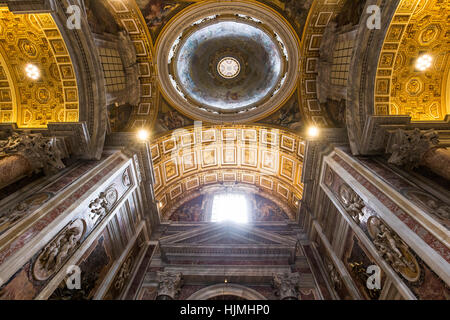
x=230, y=207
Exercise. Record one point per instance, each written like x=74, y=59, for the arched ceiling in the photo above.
x=307, y=19
x=35, y=39
x=266, y=161
x=418, y=27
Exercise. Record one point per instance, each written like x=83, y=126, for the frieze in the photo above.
x=101, y=205
x=352, y=203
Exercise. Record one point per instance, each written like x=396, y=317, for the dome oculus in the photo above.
x=229, y=68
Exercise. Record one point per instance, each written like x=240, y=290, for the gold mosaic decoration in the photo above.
x=35, y=39
x=186, y=160
x=418, y=27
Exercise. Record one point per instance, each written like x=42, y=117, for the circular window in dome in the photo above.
x=229, y=68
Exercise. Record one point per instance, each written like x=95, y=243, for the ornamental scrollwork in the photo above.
x=352, y=202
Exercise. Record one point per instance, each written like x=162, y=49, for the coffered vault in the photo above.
x=187, y=160
x=35, y=39
x=417, y=28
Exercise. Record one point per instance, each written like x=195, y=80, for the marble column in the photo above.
x=286, y=285
x=415, y=148
x=22, y=154
x=438, y=161
x=13, y=168
x=169, y=285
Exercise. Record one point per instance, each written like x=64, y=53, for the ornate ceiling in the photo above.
x=153, y=25
x=418, y=27
x=35, y=39
x=199, y=37
x=254, y=159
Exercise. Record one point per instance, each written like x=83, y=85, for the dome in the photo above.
x=228, y=65
x=227, y=62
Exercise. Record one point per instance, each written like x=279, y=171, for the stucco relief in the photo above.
x=57, y=252
x=353, y=203
x=25, y=207
x=393, y=249
x=101, y=205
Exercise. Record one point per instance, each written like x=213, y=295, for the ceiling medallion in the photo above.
x=229, y=68
x=227, y=62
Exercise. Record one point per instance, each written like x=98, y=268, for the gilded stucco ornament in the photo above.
x=417, y=28
x=393, y=249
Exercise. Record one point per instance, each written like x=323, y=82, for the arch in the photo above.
x=89, y=76
x=189, y=159
x=34, y=39
x=400, y=88
x=362, y=73
x=227, y=289
x=248, y=11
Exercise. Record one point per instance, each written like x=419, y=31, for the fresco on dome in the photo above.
x=295, y=11
x=158, y=12
x=169, y=118
x=260, y=57
x=288, y=116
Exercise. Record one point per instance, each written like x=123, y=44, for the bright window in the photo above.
x=230, y=207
